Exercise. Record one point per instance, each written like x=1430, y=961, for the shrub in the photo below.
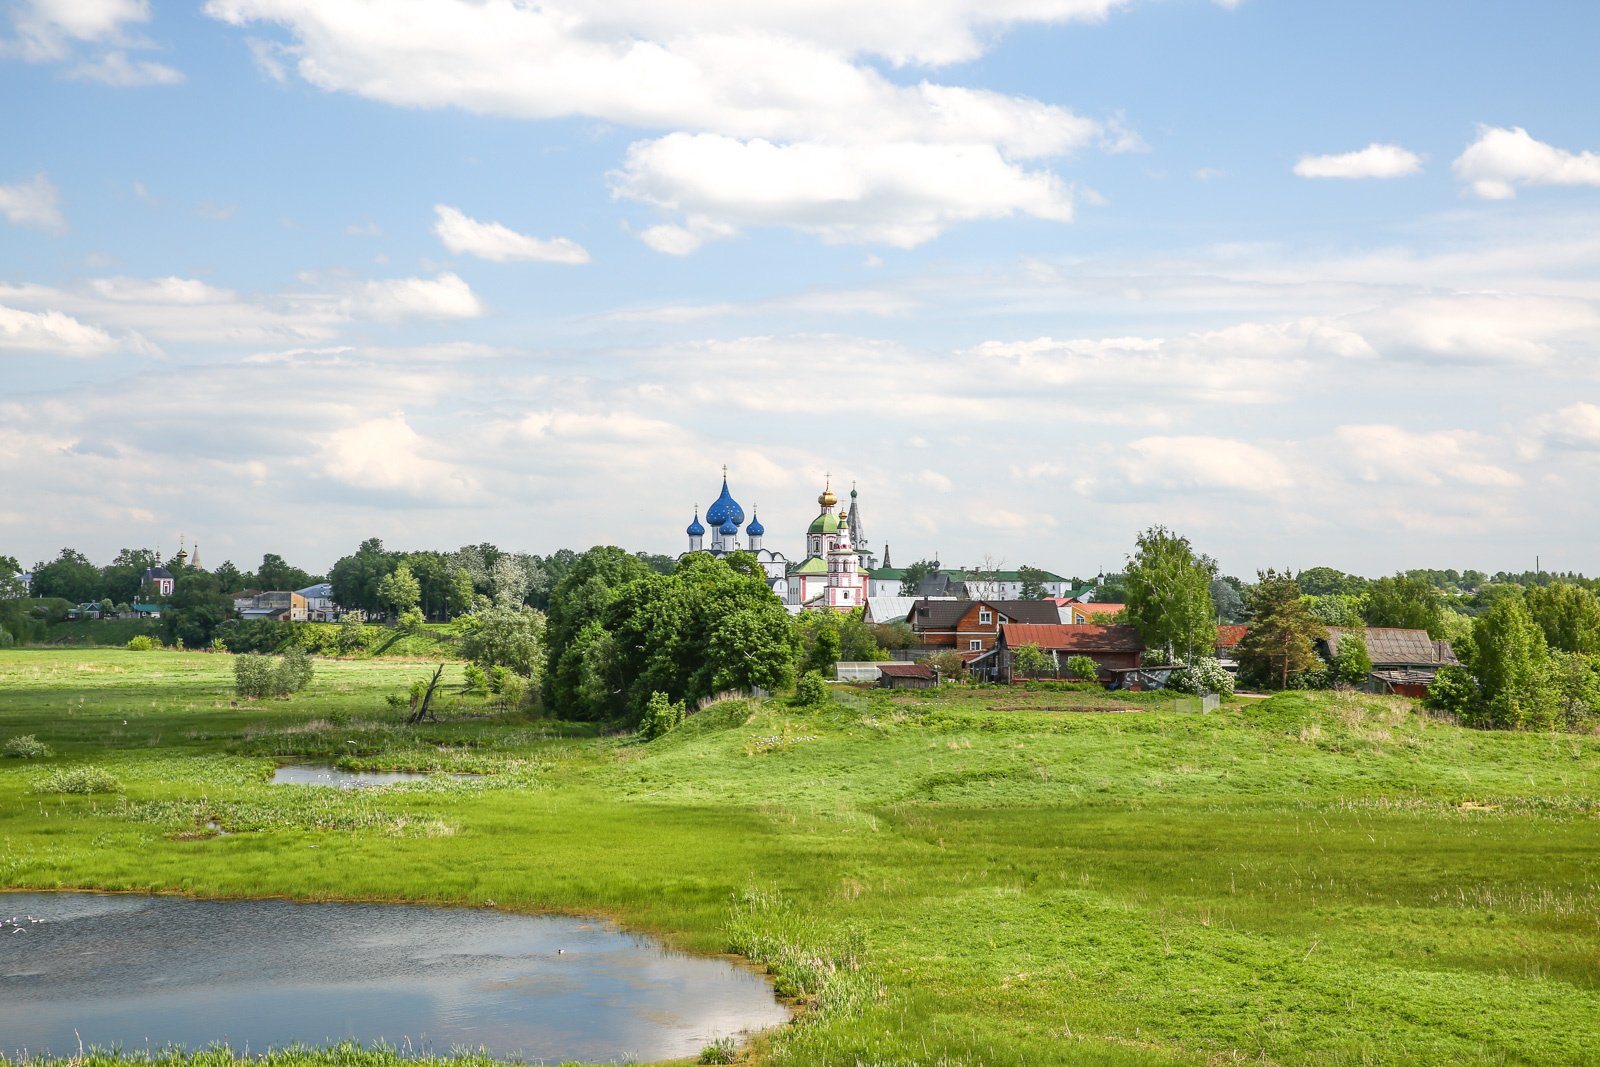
x=256, y=677
x=1083, y=667
x=411, y=621
x=499, y=678
x=27, y=747
x=142, y=643
x=6, y=640
x=811, y=690
x=1206, y=675
x=476, y=679
x=292, y=674
x=661, y=716
x=351, y=637
x=949, y=664
x=78, y=780
x=513, y=691
x=252, y=676
x=722, y=1050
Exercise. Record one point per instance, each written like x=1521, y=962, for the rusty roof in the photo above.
x=1082, y=637
x=945, y=614
x=1392, y=647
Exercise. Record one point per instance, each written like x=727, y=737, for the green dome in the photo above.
x=825, y=523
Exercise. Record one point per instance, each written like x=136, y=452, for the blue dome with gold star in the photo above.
x=755, y=529
x=725, y=509
x=695, y=529
x=729, y=527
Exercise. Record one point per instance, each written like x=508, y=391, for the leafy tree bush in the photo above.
x=1169, y=595
x=252, y=676
x=1568, y=614
x=811, y=690
x=410, y=621
x=1454, y=691
x=197, y=609
x=292, y=673
x=1575, y=679
x=474, y=679
x=1279, y=645
x=509, y=637
x=950, y=665
x=1204, y=675
x=78, y=780
x=27, y=746
x=1510, y=660
x=256, y=677
x=1031, y=661
x=142, y=643
x=351, y=637
x=1351, y=664
x=660, y=716
x=1083, y=667
x=1409, y=602
x=1334, y=609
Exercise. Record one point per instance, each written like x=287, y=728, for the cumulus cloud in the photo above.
x=385, y=454
x=51, y=332
x=500, y=244
x=1374, y=161
x=1201, y=463
x=1500, y=160
x=1575, y=428
x=754, y=98
x=94, y=35
x=1392, y=455
x=33, y=203
x=898, y=194
x=445, y=296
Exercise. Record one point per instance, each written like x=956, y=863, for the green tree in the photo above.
x=400, y=590
x=1030, y=661
x=1408, y=602
x=1335, y=609
x=458, y=595
x=1511, y=663
x=510, y=637
x=231, y=578
x=1033, y=579
x=821, y=644
x=1327, y=581
x=1169, y=595
x=1083, y=668
x=197, y=608
x=1351, y=664
x=1575, y=679
x=355, y=578
x=584, y=596
x=913, y=576
x=1280, y=641
x=276, y=573
x=69, y=576
x=1568, y=614
x=1227, y=599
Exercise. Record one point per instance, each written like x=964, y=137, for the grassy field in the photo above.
x=970, y=878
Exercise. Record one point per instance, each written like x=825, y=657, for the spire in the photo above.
x=195, y=560
x=886, y=564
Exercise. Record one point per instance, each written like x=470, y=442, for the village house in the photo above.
x=972, y=626
x=282, y=605
x=1113, y=648
x=1403, y=661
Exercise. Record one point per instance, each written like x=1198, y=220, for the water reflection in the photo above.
x=145, y=972
x=329, y=775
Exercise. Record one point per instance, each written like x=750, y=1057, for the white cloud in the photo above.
x=170, y=290
x=443, y=297
x=51, y=332
x=385, y=454
x=1575, y=427
x=1483, y=328
x=500, y=244
x=760, y=91
x=115, y=68
x=901, y=194
x=1392, y=455
x=1374, y=161
x=58, y=31
x=1501, y=159
x=1203, y=463
x=33, y=203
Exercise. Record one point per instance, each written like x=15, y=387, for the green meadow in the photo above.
x=972, y=877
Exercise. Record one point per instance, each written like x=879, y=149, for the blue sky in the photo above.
x=1310, y=283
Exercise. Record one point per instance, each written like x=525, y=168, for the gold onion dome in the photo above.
x=827, y=499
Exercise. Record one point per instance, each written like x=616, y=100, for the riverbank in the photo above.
x=1306, y=879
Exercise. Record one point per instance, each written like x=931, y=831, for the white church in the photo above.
x=837, y=563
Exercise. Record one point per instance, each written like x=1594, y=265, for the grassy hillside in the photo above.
x=972, y=878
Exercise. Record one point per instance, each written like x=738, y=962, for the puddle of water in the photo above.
x=329, y=775
x=146, y=972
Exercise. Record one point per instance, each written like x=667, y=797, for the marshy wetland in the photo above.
x=971, y=878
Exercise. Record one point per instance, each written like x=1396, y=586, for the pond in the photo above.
x=327, y=774
x=141, y=973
